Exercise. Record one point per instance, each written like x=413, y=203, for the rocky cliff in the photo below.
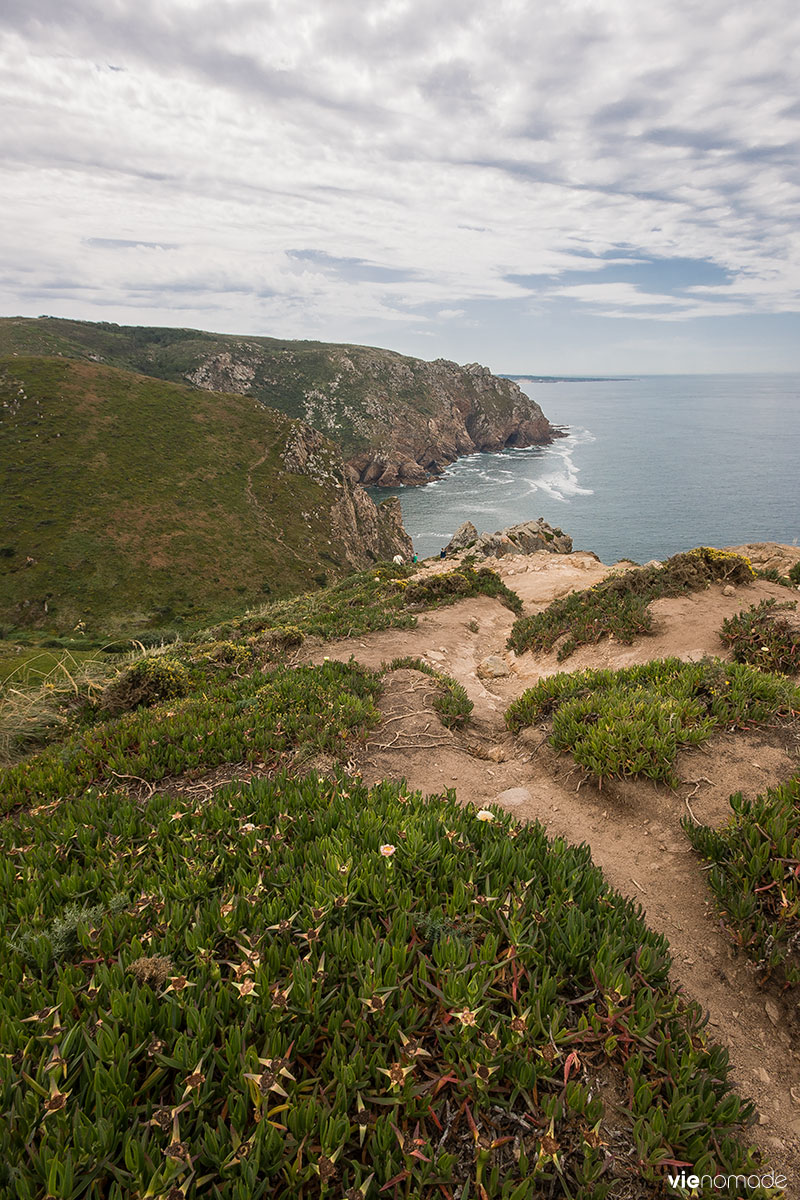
x=396, y=419
x=365, y=531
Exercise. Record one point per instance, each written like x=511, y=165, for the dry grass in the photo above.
x=40, y=704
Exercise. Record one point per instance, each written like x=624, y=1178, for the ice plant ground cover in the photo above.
x=250, y=997
x=379, y=599
x=267, y=716
x=755, y=876
x=301, y=988
x=767, y=635
x=633, y=721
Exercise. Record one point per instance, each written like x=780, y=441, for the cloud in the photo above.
x=334, y=169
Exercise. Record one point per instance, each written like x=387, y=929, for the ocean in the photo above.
x=652, y=465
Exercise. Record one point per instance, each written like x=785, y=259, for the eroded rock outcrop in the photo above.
x=525, y=538
x=363, y=531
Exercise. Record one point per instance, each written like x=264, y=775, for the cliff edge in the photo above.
x=396, y=419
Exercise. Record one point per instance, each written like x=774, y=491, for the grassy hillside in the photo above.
x=131, y=502
x=375, y=404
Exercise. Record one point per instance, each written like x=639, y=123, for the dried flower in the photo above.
x=413, y=1047
x=162, y=1119
x=397, y=1073
x=178, y=983
x=57, y=1099
x=178, y=1151
x=246, y=988
x=466, y=1016
x=194, y=1082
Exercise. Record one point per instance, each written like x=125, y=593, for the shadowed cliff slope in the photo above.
x=129, y=500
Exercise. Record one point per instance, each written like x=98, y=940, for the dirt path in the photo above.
x=632, y=827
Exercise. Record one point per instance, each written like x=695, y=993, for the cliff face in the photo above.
x=398, y=420
x=363, y=531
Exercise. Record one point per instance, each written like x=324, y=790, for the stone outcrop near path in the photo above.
x=525, y=538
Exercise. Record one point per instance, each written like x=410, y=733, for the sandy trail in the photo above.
x=632, y=827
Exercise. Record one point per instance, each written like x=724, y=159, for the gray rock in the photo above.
x=463, y=537
x=729, y=590
x=492, y=667
x=513, y=797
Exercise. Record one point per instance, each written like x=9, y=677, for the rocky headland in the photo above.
x=396, y=419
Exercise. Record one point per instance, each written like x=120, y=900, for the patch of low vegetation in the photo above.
x=773, y=575
x=74, y=696
x=452, y=702
x=451, y=586
x=314, y=990
x=618, y=606
x=634, y=720
x=381, y=598
x=361, y=603
x=766, y=636
x=755, y=877
x=148, y=681
x=266, y=718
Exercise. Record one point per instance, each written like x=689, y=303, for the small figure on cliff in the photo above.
x=442, y=553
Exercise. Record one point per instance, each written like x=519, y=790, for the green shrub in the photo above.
x=451, y=703
x=363, y=602
x=773, y=575
x=754, y=876
x=146, y=682
x=223, y=654
x=619, y=605
x=633, y=721
x=451, y=586
x=317, y=708
x=794, y=574
x=341, y=989
x=765, y=638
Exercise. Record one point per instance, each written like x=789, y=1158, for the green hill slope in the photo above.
x=397, y=419
x=129, y=501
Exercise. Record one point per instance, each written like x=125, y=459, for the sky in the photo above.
x=543, y=186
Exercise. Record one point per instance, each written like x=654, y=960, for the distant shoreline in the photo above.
x=570, y=378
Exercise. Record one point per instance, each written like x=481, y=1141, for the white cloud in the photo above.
x=456, y=145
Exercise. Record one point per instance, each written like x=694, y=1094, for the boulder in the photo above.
x=463, y=537
x=492, y=667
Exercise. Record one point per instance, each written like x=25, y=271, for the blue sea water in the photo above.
x=652, y=465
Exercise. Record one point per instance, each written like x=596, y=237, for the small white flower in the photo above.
x=483, y=814
x=387, y=850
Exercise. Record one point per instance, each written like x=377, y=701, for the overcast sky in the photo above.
x=549, y=186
